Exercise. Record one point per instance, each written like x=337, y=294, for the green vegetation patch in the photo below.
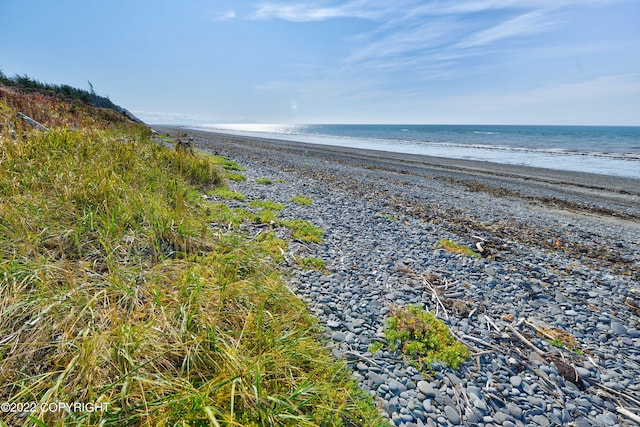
x=301, y=200
x=115, y=290
x=451, y=246
x=313, y=263
x=265, y=216
x=423, y=338
x=266, y=204
x=303, y=230
x=272, y=246
x=224, y=162
x=231, y=176
x=227, y=194
x=222, y=214
x=264, y=181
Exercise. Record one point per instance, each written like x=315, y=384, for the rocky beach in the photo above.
x=550, y=311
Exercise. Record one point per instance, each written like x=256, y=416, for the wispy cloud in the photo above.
x=442, y=32
x=223, y=16
x=527, y=24
x=307, y=12
x=405, y=41
x=447, y=7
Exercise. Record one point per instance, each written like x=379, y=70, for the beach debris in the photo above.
x=633, y=300
x=627, y=413
x=34, y=124
x=568, y=372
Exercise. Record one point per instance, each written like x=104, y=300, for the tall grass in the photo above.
x=114, y=290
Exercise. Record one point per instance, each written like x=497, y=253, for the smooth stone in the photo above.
x=607, y=418
x=618, y=328
x=541, y=420
x=333, y=324
x=490, y=271
x=515, y=410
x=581, y=422
x=426, y=389
x=501, y=417
x=473, y=390
x=338, y=336
x=391, y=407
x=479, y=403
x=396, y=387
x=584, y=403
x=583, y=372
x=515, y=381
x=452, y=415
x=375, y=378
x=454, y=378
x=411, y=405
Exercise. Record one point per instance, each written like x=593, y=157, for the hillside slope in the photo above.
x=120, y=304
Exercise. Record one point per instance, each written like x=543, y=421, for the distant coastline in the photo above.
x=606, y=192
x=604, y=150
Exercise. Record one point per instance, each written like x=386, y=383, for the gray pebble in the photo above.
x=396, y=387
x=515, y=381
x=426, y=389
x=618, y=328
x=375, y=378
x=338, y=336
x=452, y=415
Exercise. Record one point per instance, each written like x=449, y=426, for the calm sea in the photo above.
x=608, y=150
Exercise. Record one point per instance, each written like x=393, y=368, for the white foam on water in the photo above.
x=614, y=164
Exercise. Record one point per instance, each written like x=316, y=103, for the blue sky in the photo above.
x=349, y=61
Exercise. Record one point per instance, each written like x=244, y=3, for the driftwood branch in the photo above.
x=434, y=296
x=627, y=413
x=524, y=340
x=34, y=124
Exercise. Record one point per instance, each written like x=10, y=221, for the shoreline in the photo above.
x=601, y=194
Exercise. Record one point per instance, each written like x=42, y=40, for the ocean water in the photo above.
x=607, y=150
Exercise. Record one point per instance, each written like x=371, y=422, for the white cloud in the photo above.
x=305, y=12
x=405, y=41
x=223, y=16
x=523, y=25
x=459, y=7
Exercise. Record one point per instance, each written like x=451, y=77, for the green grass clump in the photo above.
x=264, y=181
x=303, y=230
x=231, y=176
x=226, y=194
x=451, y=246
x=265, y=216
x=222, y=214
x=266, y=204
x=301, y=200
x=272, y=246
x=388, y=216
x=423, y=338
x=313, y=263
x=115, y=290
x=224, y=162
